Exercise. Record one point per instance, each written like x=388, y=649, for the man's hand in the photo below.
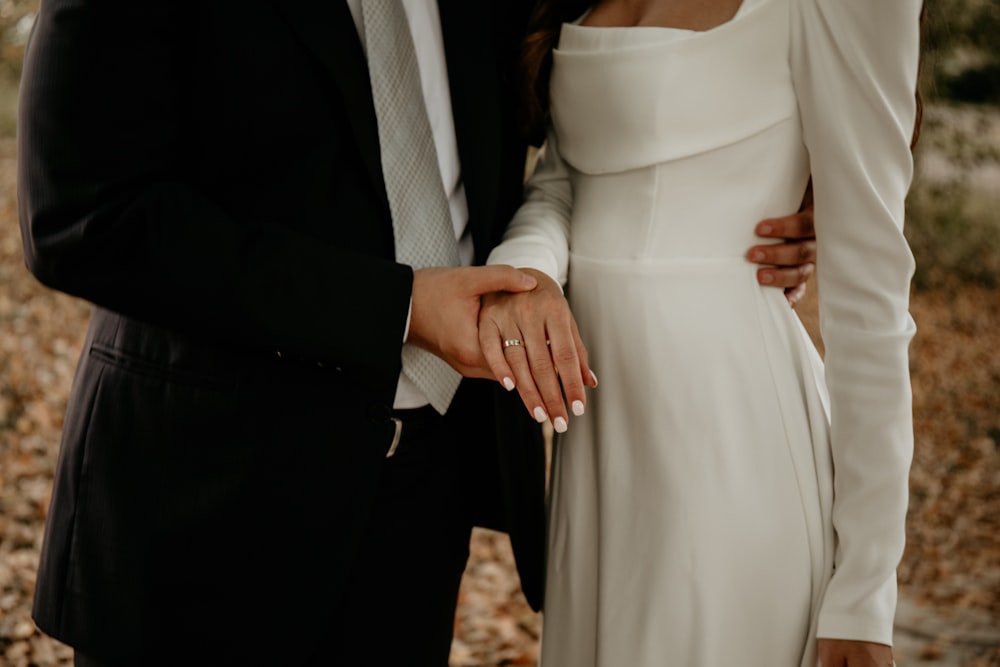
x=444, y=313
x=849, y=653
x=791, y=263
x=549, y=352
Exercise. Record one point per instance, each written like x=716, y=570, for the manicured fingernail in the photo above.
x=540, y=415
x=766, y=279
x=765, y=229
x=759, y=256
x=593, y=377
x=559, y=425
x=578, y=408
x=508, y=384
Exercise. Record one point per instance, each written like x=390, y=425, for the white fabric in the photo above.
x=696, y=520
x=425, y=26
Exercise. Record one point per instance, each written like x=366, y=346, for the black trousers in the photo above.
x=399, y=608
x=404, y=590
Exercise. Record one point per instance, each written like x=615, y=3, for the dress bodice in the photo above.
x=623, y=98
x=657, y=123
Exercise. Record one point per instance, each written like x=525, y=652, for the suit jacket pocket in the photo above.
x=156, y=371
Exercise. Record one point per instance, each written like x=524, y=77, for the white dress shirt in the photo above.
x=425, y=26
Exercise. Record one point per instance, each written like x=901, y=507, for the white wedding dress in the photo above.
x=696, y=520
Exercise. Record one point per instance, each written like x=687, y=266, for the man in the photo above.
x=213, y=182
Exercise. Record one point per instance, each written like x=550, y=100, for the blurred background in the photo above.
x=949, y=610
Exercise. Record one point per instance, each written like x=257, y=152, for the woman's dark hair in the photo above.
x=536, y=63
x=920, y=99
x=536, y=59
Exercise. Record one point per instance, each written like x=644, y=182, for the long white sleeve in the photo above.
x=854, y=65
x=538, y=236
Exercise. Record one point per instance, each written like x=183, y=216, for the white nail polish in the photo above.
x=508, y=384
x=540, y=415
x=578, y=408
x=559, y=425
x=593, y=376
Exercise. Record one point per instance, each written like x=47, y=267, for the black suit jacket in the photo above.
x=210, y=179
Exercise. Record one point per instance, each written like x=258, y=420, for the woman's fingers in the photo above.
x=570, y=360
x=588, y=375
x=530, y=341
x=503, y=348
x=545, y=376
x=491, y=342
x=516, y=352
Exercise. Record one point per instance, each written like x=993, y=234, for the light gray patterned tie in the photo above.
x=421, y=219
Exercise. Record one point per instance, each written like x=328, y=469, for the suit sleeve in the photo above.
x=110, y=212
x=855, y=66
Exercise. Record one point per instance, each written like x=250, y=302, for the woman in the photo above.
x=720, y=501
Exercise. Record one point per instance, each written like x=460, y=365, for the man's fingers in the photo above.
x=499, y=278
x=847, y=653
x=784, y=254
x=791, y=263
x=791, y=277
x=795, y=294
x=796, y=226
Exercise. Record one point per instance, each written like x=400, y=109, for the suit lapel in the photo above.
x=328, y=31
x=475, y=101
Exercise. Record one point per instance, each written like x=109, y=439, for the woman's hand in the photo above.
x=531, y=342
x=850, y=653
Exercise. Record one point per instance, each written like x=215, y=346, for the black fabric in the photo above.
x=400, y=602
x=414, y=425
x=210, y=182
x=80, y=660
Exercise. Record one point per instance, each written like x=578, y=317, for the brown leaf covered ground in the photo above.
x=952, y=561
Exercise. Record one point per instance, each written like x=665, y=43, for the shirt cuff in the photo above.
x=409, y=313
